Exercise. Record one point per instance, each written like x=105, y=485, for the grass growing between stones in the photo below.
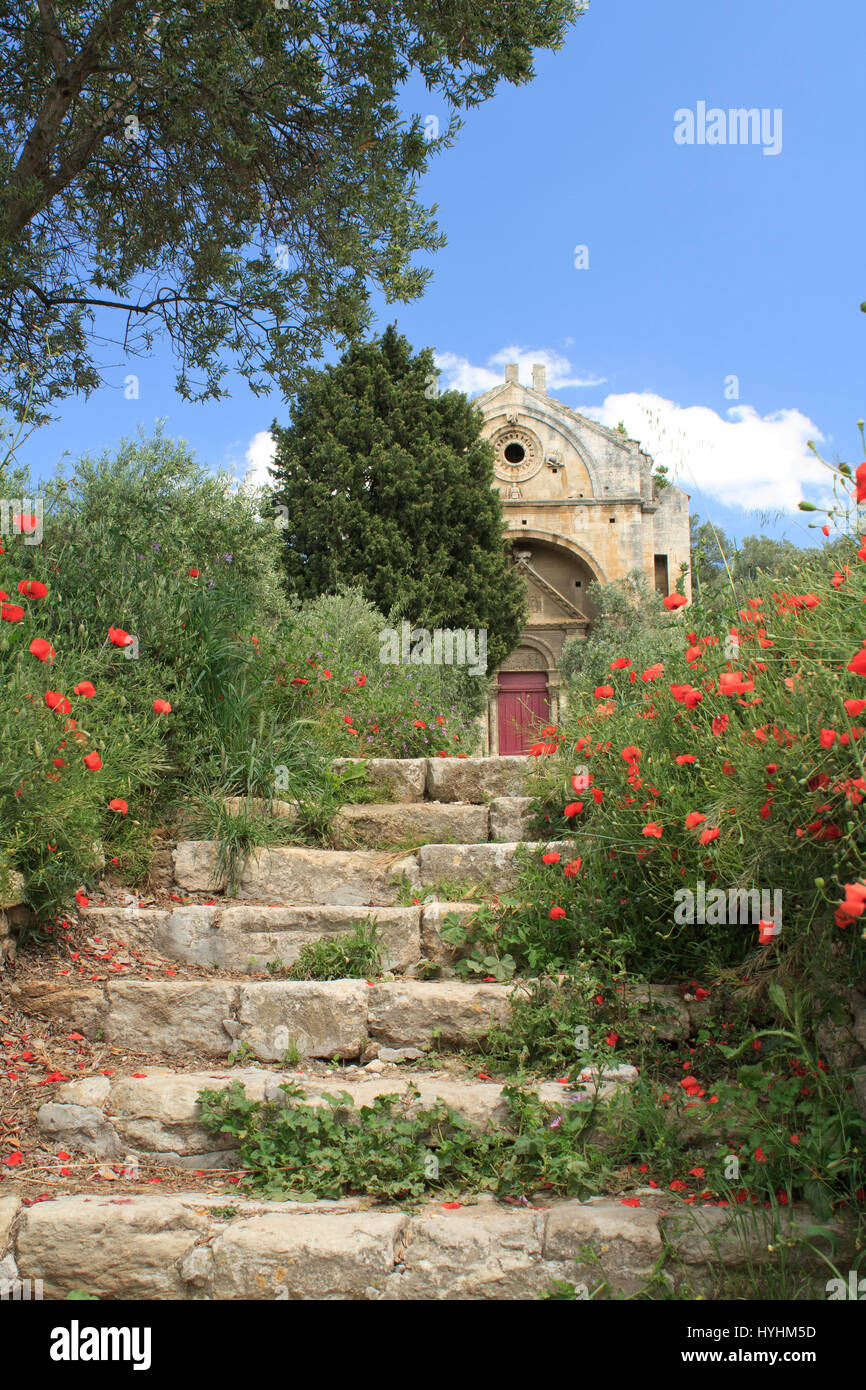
x=354, y=955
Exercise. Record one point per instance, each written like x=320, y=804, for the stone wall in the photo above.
x=14, y=914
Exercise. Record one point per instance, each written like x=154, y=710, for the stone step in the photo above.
x=400, y=779
x=350, y=878
x=475, y=780
x=156, y=1116
x=250, y=937
x=325, y=1019
x=193, y=1246
x=375, y=825
x=317, y=1018
x=296, y=874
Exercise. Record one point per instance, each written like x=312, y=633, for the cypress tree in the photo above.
x=389, y=485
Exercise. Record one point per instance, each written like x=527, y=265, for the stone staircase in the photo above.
x=190, y=1028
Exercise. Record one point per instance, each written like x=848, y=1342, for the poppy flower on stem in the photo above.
x=42, y=650
x=32, y=588
x=85, y=688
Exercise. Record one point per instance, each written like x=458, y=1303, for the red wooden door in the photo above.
x=523, y=709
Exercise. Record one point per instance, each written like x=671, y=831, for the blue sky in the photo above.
x=705, y=262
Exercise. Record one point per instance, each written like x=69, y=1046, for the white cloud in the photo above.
x=742, y=459
x=458, y=373
x=260, y=454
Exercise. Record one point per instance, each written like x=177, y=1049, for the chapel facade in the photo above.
x=580, y=504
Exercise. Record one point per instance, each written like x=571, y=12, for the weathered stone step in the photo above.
x=349, y=878
x=475, y=780
x=296, y=874
x=156, y=1115
x=329, y=1018
x=190, y=1245
x=377, y=824
x=250, y=937
x=316, y=1018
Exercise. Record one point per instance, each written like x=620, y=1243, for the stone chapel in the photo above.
x=580, y=504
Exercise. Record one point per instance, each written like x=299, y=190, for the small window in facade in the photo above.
x=661, y=575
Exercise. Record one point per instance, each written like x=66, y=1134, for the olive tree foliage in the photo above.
x=235, y=174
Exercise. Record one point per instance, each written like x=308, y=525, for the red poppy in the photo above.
x=854, y=902
x=299, y=680
x=693, y=819
x=117, y=804
x=54, y=700
x=194, y=573
x=735, y=683
x=631, y=754
x=857, y=664
x=11, y=613
x=85, y=688
x=603, y=692
x=572, y=868
x=652, y=673
x=92, y=761
x=620, y=663
x=573, y=808
x=118, y=637
x=32, y=588
x=42, y=650
x=556, y=913
x=82, y=899
x=674, y=601
x=653, y=829
x=360, y=680
x=706, y=837
x=161, y=707
x=551, y=858
x=683, y=758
